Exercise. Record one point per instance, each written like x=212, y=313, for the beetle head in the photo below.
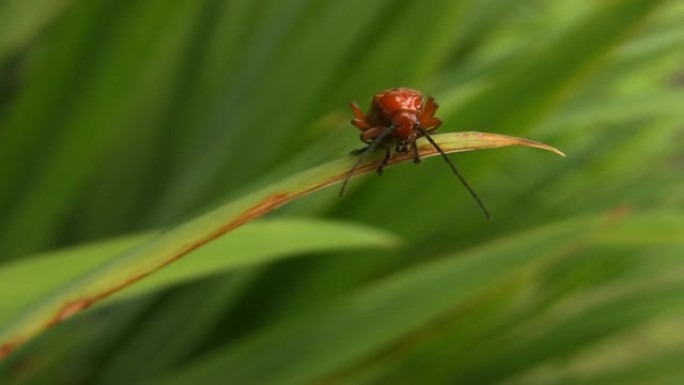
x=406, y=123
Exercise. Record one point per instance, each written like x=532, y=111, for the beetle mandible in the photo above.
x=398, y=117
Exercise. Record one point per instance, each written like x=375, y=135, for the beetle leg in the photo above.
x=357, y=111
x=360, y=120
x=416, y=154
x=368, y=135
x=385, y=160
x=361, y=124
x=377, y=141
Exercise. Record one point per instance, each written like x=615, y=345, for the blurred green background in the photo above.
x=121, y=117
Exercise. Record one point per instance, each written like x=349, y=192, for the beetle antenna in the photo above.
x=453, y=168
x=362, y=156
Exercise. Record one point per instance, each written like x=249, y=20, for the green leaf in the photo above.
x=245, y=246
x=286, y=237
x=170, y=246
x=22, y=20
x=143, y=51
x=539, y=80
x=309, y=347
x=400, y=308
x=41, y=271
x=655, y=369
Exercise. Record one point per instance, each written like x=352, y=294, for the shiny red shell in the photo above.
x=402, y=108
x=386, y=103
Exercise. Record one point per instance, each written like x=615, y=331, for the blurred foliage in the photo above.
x=118, y=117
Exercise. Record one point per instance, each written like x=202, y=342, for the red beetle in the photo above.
x=397, y=117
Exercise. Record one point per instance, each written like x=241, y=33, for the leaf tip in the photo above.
x=542, y=146
x=558, y=152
